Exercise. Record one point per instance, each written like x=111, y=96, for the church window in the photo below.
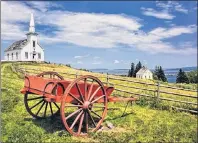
x=34, y=43
x=26, y=55
x=12, y=56
x=39, y=55
x=8, y=56
x=16, y=55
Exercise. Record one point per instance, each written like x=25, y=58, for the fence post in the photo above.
x=77, y=74
x=107, y=79
x=25, y=72
x=158, y=88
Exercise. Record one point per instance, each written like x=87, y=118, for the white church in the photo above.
x=26, y=50
x=144, y=73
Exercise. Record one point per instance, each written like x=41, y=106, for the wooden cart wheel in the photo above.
x=37, y=106
x=85, y=114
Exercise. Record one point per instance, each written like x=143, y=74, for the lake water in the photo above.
x=170, y=73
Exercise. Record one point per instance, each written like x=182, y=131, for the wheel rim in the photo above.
x=38, y=107
x=86, y=115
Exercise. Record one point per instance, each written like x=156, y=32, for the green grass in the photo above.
x=141, y=123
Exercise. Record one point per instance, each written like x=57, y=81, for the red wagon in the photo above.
x=82, y=103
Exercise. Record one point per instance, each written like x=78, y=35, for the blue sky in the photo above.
x=107, y=34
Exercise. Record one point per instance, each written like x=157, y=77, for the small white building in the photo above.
x=144, y=73
x=26, y=49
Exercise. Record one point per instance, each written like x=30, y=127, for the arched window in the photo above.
x=16, y=55
x=8, y=56
x=12, y=56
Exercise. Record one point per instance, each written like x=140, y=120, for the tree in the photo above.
x=162, y=75
x=131, y=71
x=192, y=76
x=137, y=68
x=182, y=77
x=156, y=73
x=159, y=74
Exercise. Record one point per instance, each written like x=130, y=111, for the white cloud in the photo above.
x=166, y=9
x=116, y=62
x=94, y=30
x=179, y=8
x=79, y=62
x=42, y=6
x=163, y=33
x=171, y=6
x=12, y=14
x=81, y=57
x=157, y=14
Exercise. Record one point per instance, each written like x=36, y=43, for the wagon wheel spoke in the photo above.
x=45, y=109
x=94, y=93
x=86, y=122
x=72, y=114
x=77, y=118
x=79, y=91
x=35, y=98
x=96, y=114
x=85, y=84
x=81, y=121
x=73, y=105
x=75, y=98
x=98, y=99
x=56, y=105
x=51, y=108
x=90, y=89
x=99, y=110
x=95, y=106
x=40, y=108
x=91, y=118
x=36, y=104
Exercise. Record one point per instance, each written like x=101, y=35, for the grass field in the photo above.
x=141, y=124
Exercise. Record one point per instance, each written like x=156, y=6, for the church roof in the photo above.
x=17, y=45
x=143, y=70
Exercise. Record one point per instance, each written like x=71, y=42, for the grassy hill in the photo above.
x=143, y=122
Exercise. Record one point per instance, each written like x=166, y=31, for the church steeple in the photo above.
x=32, y=28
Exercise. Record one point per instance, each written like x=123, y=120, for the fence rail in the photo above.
x=156, y=87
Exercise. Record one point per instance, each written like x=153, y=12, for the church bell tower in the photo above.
x=32, y=38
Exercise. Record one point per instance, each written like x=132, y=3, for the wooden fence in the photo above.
x=109, y=79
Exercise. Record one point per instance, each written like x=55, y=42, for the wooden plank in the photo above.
x=192, y=111
x=169, y=99
x=172, y=87
x=133, y=93
x=190, y=96
x=133, y=87
x=132, y=81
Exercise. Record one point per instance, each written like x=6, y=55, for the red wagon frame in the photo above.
x=84, y=95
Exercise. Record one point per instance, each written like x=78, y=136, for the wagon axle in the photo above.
x=87, y=105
